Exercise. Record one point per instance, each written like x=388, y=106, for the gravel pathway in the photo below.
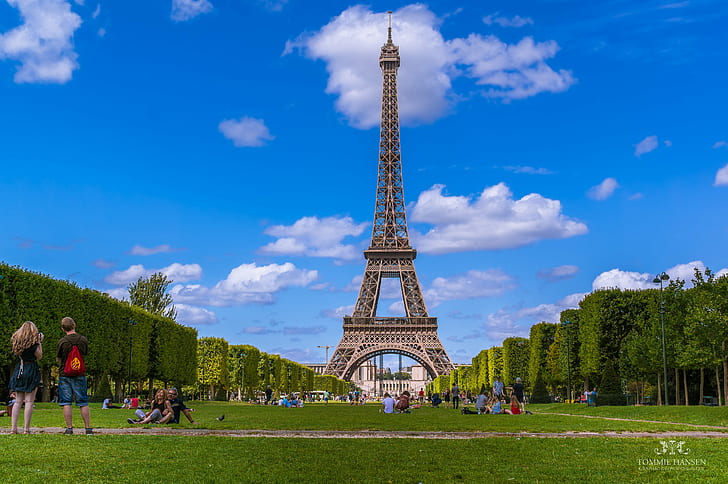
x=372, y=434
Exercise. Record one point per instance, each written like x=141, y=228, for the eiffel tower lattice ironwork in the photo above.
x=389, y=256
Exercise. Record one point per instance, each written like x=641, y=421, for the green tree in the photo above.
x=150, y=293
x=495, y=363
x=540, y=339
x=515, y=360
x=212, y=357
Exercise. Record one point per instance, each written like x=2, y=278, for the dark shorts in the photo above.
x=72, y=388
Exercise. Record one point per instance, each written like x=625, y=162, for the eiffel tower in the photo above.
x=389, y=256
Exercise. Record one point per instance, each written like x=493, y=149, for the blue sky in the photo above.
x=549, y=148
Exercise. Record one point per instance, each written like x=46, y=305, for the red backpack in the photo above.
x=74, y=363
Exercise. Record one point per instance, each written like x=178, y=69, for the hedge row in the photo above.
x=160, y=348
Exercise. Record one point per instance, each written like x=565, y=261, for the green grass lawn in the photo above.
x=368, y=417
x=127, y=458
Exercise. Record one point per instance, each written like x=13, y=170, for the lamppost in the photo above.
x=565, y=325
x=132, y=323
x=659, y=279
x=327, y=352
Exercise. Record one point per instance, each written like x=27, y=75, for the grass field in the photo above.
x=126, y=458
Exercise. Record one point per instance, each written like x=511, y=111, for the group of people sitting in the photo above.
x=401, y=405
x=166, y=407
x=296, y=401
x=496, y=404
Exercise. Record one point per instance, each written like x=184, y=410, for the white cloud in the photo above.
x=183, y=10
x=43, y=44
x=516, y=21
x=514, y=71
x=245, y=131
x=315, y=237
x=720, y=144
x=471, y=285
x=103, y=264
x=721, y=177
x=529, y=170
x=604, y=190
x=247, y=283
x=194, y=316
x=350, y=42
x=617, y=278
x=505, y=323
x=97, y=11
x=160, y=249
x=559, y=273
x=120, y=293
x=339, y=312
x=648, y=144
x=492, y=221
x=176, y=271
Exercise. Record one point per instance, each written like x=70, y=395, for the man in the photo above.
x=388, y=404
x=498, y=388
x=455, y=396
x=268, y=394
x=72, y=387
x=179, y=406
x=518, y=392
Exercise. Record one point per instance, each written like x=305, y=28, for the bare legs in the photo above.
x=23, y=397
x=85, y=415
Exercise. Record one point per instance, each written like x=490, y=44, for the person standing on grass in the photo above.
x=455, y=396
x=518, y=392
x=446, y=397
x=498, y=388
x=72, y=387
x=27, y=348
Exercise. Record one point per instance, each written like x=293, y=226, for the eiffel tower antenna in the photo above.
x=389, y=28
x=389, y=255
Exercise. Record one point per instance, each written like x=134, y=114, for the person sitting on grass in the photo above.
x=481, y=403
x=9, y=408
x=436, y=400
x=108, y=405
x=160, y=412
x=496, y=408
x=178, y=407
x=403, y=403
x=387, y=404
x=515, y=405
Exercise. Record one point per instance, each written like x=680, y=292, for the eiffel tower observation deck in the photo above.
x=389, y=255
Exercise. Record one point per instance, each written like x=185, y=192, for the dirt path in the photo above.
x=335, y=434
x=699, y=426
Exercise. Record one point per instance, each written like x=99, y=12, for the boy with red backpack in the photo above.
x=72, y=349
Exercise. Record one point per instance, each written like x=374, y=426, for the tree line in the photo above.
x=614, y=342
x=133, y=349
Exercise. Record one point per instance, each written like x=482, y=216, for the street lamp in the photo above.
x=659, y=279
x=565, y=325
x=132, y=323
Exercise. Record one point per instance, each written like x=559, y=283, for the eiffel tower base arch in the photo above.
x=415, y=338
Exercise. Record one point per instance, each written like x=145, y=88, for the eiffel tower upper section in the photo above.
x=390, y=221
